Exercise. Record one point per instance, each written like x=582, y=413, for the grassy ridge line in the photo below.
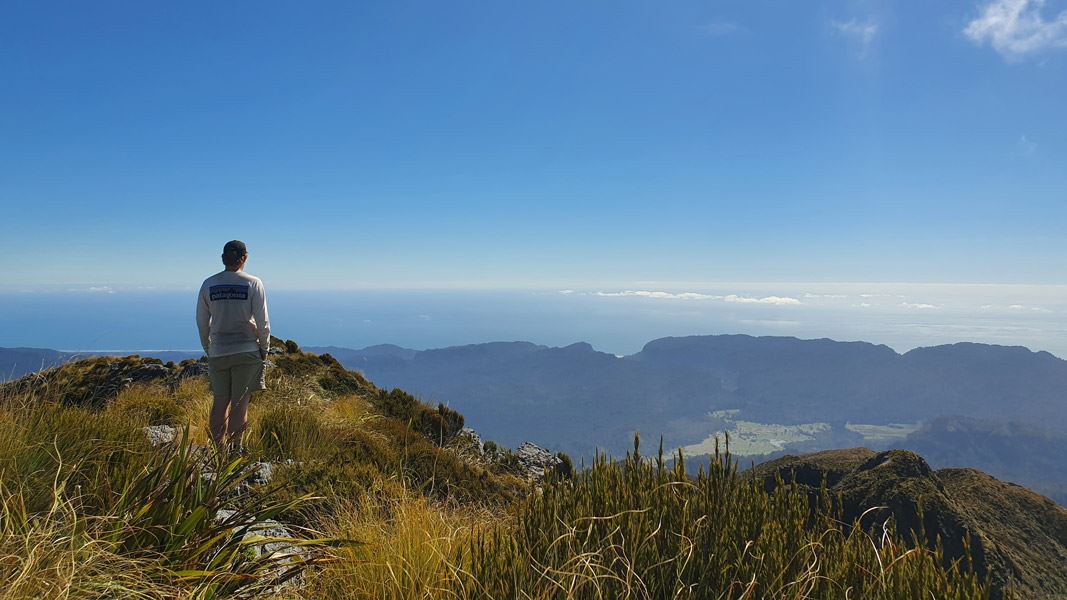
x=430, y=521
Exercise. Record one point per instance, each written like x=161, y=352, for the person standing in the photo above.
x=231, y=316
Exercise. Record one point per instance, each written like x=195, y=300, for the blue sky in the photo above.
x=594, y=145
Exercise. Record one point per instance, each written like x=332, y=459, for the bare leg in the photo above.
x=217, y=420
x=235, y=425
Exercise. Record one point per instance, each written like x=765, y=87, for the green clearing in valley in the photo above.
x=883, y=433
x=749, y=438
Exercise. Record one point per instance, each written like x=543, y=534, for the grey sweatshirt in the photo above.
x=231, y=314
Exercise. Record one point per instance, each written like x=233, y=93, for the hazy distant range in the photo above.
x=997, y=408
x=613, y=318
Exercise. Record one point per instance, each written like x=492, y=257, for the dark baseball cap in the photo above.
x=235, y=247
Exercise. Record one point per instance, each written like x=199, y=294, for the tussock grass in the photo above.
x=90, y=510
x=54, y=554
x=411, y=548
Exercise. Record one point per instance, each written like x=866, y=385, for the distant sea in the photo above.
x=616, y=319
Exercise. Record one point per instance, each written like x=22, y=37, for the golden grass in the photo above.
x=409, y=548
x=52, y=555
x=349, y=410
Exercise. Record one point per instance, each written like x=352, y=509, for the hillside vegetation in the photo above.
x=351, y=491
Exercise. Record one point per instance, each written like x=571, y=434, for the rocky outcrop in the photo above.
x=535, y=462
x=469, y=438
x=1016, y=537
x=94, y=381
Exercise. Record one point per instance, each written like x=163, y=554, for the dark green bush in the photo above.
x=439, y=426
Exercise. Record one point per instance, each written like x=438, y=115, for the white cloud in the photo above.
x=659, y=295
x=1017, y=308
x=770, y=322
x=721, y=28
x=827, y=296
x=918, y=305
x=1016, y=28
x=566, y=292
x=862, y=34
x=94, y=289
x=733, y=298
x=1025, y=146
x=777, y=300
x=863, y=305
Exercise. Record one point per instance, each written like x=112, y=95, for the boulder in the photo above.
x=159, y=435
x=279, y=542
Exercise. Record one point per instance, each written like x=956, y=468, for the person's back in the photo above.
x=231, y=316
x=229, y=303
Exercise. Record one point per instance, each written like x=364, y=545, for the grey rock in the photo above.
x=196, y=369
x=471, y=438
x=150, y=372
x=283, y=549
x=121, y=376
x=262, y=473
x=535, y=461
x=159, y=435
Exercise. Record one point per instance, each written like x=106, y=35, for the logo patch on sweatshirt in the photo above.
x=228, y=292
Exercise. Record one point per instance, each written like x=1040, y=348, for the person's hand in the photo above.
x=262, y=354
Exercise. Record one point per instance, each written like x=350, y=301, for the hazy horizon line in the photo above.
x=504, y=341
x=99, y=287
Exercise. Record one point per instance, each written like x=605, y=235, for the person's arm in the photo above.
x=203, y=318
x=259, y=312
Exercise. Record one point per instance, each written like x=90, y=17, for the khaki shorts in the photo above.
x=236, y=375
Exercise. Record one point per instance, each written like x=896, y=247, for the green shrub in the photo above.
x=439, y=426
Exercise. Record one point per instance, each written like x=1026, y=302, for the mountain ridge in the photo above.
x=770, y=379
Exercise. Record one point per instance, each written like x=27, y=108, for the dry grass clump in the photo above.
x=410, y=547
x=53, y=554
